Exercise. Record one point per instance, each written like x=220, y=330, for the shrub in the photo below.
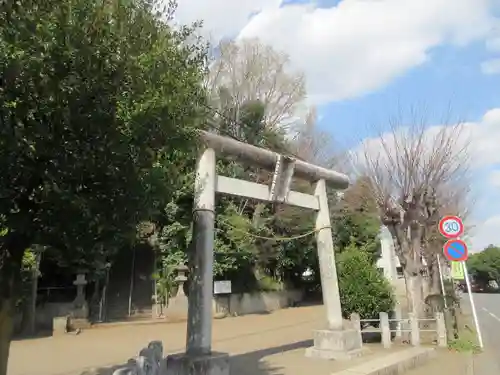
x=363, y=289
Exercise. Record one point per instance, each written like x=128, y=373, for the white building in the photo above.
x=389, y=264
x=388, y=261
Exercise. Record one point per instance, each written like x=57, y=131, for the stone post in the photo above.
x=415, y=330
x=199, y=358
x=385, y=330
x=337, y=341
x=398, y=316
x=355, y=321
x=441, y=330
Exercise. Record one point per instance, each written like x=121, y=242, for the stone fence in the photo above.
x=237, y=304
x=254, y=303
x=54, y=315
x=411, y=327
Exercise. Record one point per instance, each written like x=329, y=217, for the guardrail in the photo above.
x=410, y=325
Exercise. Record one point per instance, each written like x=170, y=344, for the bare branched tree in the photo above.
x=312, y=144
x=417, y=174
x=248, y=70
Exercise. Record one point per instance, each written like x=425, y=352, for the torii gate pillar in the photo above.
x=336, y=342
x=333, y=342
x=327, y=267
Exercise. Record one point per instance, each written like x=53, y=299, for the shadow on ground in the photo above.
x=251, y=363
x=27, y=336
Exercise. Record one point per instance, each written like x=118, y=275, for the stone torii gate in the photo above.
x=333, y=342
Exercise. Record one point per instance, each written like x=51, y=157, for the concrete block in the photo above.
x=393, y=364
x=59, y=325
x=336, y=344
x=210, y=364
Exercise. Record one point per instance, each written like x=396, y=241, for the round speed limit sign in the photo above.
x=451, y=226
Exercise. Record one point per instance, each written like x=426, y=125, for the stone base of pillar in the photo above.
x=336, y=345
x=210, y=364
x=177, y=309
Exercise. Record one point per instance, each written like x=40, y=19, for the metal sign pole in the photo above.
x=456, y=250
x=443, y=291
x=474, y=313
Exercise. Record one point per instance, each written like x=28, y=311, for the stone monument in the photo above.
x=79, y=316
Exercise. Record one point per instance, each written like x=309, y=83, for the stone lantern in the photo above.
x=180, y=279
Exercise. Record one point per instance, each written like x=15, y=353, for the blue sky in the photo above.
x=452, y=79
x=365, y=59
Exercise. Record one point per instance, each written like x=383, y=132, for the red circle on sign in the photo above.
x=452, y=258
x=455, y=218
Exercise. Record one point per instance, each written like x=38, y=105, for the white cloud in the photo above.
x=493, y=44
x=222, y=18
x=495, y=178
x=485, y=138
x=353, y=48
x=486, y=233
x=491, y=66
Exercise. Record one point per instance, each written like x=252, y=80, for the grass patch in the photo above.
x=466, y=340
x=465, y=344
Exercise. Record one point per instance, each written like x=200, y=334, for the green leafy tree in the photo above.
x=98, y=109
x=239, y=254
x=485, y=265
x=363, y=289
x=357, y=222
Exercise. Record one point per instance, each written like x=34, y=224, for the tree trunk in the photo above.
x=29, y=313
x=6, y=329
x=433, y=295
x=434, y=279
x=12, y=248
x=414, y=292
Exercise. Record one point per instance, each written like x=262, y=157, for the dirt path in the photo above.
x=268, y=344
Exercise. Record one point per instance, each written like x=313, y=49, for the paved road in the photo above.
x=488, y=312
x=486, y=363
